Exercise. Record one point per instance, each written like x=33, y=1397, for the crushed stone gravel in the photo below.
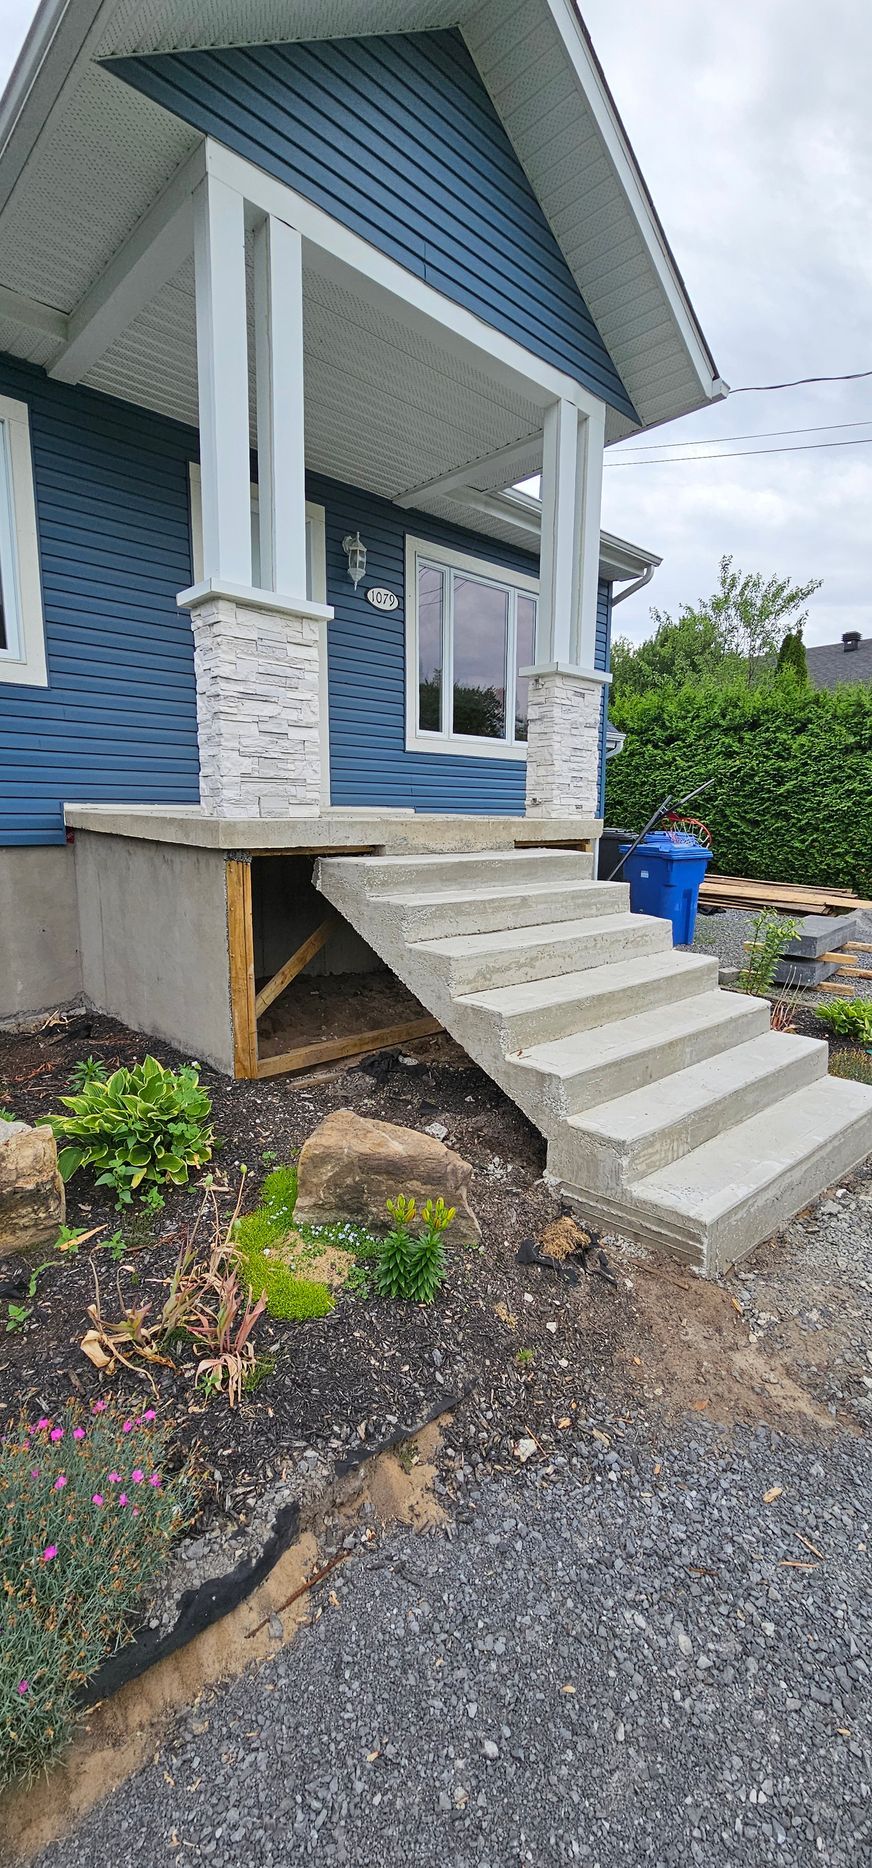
x=622, y=1660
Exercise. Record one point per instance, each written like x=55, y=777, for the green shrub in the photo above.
x=850, y=1018
x=790, y=801
x=857, y=1065
x=770, y=933
x=412, y=1266
x=143, y=1128
x=86, y=1515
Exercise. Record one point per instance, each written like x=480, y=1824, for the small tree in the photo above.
x=752, y=615
x=791, y=659
x=734, y=634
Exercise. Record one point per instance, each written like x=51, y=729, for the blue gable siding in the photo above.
x=118, y=718
x=397, y=138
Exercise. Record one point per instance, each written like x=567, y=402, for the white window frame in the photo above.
x=468, y=745
x=24, y=660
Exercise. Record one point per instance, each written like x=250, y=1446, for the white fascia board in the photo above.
x=618, y=559
x=599, y=102
x=31, y=313
x=334, y=252
x=500, y=465
x=157, y=248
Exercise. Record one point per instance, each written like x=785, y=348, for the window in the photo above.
x=316, y=571
x=22, y=635
x=470, y=630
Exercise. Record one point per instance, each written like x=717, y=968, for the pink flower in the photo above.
x=97, y=1498
x=114, y=1478
x=99, y=1406
x=59, y=1483
x=137, y=1475
x=42, y=1424
x=34, y=1472
x=51, y=1550
x=155, y=1479
x=127, y=1427
x=136, y=1511
x=57, y=1433
x=78, y=1433
x=123, y=1499
x=23, y=1687
x=149, y=1414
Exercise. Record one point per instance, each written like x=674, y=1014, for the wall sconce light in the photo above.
x=355, y=551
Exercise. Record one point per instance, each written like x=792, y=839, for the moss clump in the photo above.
x=287, y=1297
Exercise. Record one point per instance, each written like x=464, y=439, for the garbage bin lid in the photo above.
x=673, y=842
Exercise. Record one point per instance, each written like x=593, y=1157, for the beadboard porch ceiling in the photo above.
x=83, y=157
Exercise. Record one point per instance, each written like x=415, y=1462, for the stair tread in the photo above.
x=656, y=1106
x=432, y=859
x=538, y=934
x=563, y=1057
x=610, y=977
x=744, y=1160
x=495, y=891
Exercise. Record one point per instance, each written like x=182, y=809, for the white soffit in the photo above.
x=169, y=25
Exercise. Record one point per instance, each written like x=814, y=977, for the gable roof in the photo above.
x=830, y=663
x=64, y=120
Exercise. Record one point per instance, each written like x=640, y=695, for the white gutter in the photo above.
x=639, y=584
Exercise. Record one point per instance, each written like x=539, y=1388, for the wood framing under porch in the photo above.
x=199, y=929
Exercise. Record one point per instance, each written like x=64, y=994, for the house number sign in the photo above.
x=382, y=599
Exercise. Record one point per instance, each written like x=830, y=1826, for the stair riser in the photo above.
x=610, y=1163
x=617, y=1075
x=497, y=871
x=731, y=1238
x=483, y=915
x=476, y=973
x=543, y=1024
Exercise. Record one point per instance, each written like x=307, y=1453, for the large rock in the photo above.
x=350, y=1166
x=32, y=1202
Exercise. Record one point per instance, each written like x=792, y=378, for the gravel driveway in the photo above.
x=620, y=1664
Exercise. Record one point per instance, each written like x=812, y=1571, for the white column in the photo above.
x=278, y=328
x=591, y=446
x=222, y=381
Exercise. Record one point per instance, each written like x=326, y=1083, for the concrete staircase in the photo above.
x=672, y=1113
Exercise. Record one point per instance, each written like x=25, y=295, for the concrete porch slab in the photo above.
x=329, y=829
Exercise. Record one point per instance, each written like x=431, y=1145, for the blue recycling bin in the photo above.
x=665, y=872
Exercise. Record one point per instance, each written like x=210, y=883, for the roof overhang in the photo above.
x=64, y=119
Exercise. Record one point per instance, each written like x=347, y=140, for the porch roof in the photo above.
x=83, y=158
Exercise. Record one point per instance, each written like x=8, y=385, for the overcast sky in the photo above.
x=753, y=127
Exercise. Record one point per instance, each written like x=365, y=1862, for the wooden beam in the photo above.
x=275, y=986
x=240, y=944
x=835, y=985
x=858, y=946
x=350, y=1046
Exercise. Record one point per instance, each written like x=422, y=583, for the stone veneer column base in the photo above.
x=258, y=708
x=563, y=745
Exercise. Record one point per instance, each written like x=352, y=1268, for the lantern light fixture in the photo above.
x=355, y=551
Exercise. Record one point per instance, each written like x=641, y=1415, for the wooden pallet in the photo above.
x=790, y=897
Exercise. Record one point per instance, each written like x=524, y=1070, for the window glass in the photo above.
x=481, y=632
x=524, y=650
x=431, y=613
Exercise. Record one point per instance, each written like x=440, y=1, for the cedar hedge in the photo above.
x=792, y=797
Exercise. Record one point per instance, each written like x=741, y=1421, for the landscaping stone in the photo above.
x=350, y=1166
x=31, y=1190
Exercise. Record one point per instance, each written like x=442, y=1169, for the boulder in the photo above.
x=32, y=1202
x=350, y=1166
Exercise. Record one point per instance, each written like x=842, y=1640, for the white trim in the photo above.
x=157, y=247
x=500, y=464
x=333, y=251
x=212, y=589
x=463, y=745
x=32, y=314
x=24, y=663
x=278, y=345
x=222, y=381
x=570, y=671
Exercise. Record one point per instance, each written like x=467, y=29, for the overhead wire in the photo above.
x=731, y=454
x=760, y=434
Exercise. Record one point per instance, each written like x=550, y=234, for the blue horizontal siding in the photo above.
x=117, y=722
x=397, y=138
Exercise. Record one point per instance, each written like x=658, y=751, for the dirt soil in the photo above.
x=542, y=1353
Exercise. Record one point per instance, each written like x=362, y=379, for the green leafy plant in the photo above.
x=411, y=1265
x=770, y=934
x=849, y=1018
x=87, y=1513
x=525, y=1358
x=16, y=1317
x=856, y=1065
x=6, y=1115
x=143, y=1128
x=88, y=1070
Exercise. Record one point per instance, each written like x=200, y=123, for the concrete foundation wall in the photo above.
x=153, y=928
x=40, y=964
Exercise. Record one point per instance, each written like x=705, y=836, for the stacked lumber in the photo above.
x=791, y=897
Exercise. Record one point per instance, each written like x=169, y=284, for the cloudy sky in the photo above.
x=753, y=128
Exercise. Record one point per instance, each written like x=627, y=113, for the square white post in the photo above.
x=222, y=381
x=589, y=490
x=278, y=332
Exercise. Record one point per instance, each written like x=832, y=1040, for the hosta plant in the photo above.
x=141, y=1129
x=411, y=1264
x=849, y=1018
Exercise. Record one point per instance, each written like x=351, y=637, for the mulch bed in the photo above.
x=372, y=1365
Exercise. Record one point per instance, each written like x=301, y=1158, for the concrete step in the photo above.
x=512, y=868
x=723, y=1198
x=474, y=962
x=538, y=1010
x=635, y=1135
x=483, y=908
x=592, y=1067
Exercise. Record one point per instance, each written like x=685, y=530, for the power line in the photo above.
x=799, y=382
x=803, y=447
x=762, y=434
